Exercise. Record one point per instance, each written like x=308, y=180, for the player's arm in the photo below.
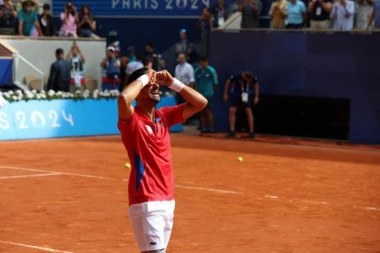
x=129, y=94
x=195, y=102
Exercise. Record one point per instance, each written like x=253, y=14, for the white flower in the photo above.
x=1, y=93
x=10, y=92
x=38, y=96
x=7, y=95
x=14, y=98
x=18, y=92
x=34, y=91
x=78, y=92
x=42, y=92
x=51, y=93
x=85, y=95
x=43, y=96
x=29, y=95
x=59, y=93
x=95, y=95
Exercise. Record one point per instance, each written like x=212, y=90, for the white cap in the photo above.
x=111, y=48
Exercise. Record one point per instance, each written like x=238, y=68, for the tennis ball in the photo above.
x=127, y=165
x=240, y=159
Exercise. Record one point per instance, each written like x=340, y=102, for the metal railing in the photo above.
x=17, y=57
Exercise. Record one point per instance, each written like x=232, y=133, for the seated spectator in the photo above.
x=363, y=12
x=110, y=65
x=296, y=14
x=206, y=81
x=219, y=14
x=320, y=13
x=69, y=21
x=278, y=14
x=8, y=18
x=147, y=62
x=375, y=15
x=87, y=23
x=250, y=13
x=204, y=26
x=47, y=23
x=184, y=46
x=131, y=54
x=76, y=60
x=343, y=15
x=135, y=65
x=241, y=90
x=28, y=24
x=59, y=77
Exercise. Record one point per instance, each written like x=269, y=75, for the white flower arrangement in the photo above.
x=18, y=95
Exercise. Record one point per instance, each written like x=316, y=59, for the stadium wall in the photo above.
x=342, y=66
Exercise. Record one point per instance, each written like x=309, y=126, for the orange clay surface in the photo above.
x=71, y=195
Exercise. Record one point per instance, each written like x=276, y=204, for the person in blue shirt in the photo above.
x=296, y=14
x=206, y=80
x=241, y=90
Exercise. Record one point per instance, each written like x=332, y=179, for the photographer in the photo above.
x=69, y=20
x=8, y=17
x=87, y=23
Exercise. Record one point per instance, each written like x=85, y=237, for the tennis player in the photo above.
x=145, y=135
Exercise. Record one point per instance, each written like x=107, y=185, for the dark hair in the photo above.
x=139, y=56
x=150, y=44
x=136, y=74
x=203, y=58
x=147, y=60
x=58, y=51
x=89, y=11
x=46, y=7
x=248, y=74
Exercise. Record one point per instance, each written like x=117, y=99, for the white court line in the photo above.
x=60, y=172
x=271, y=197
x=372, y=208
x=207, y=189
x=35, y=175
x=36, y=247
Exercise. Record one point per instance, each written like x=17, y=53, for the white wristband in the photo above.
x=176, y=85
x=144, y=79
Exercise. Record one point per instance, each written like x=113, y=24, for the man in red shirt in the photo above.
x=145, y=135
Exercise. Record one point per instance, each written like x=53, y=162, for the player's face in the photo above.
x=151, y=91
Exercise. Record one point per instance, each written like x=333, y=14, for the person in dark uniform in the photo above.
x=59, y=78
x=241, y=90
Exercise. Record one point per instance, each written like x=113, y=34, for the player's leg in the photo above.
x=248, y=111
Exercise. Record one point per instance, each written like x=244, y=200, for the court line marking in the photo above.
x=372, y=208
x=36, y=247
x=34, y=175
x=124, y=180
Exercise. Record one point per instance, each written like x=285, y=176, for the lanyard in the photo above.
x=242, y=86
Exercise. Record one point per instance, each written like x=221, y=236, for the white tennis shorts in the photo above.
x=152, y=223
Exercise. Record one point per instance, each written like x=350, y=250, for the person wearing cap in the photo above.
x=184, y=46
x=47, y=23
x=8, y=16
x=28, y=24
x=109, y=64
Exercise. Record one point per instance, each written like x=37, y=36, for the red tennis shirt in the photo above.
x=148, y=145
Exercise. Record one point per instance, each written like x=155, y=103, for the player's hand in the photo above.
x=225, y=98
x=256, y=100
x=164, y=78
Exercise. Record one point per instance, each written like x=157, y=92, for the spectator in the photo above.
x=76, y=60
x=46, y=22
x=241, y=90
x=135, y=65
x=158, y=62
x=147, y=62
x=296, y=14
x=20, y=3
x=250, y=13
x=109, y=64
x=28, y=24
x=375, y=15
x=204, y=25
x=206, y=81
x=320, y=13
x=122, y=71
x=278, y=14
x=343, y=15
x=363, y=12
x=185, y=73
x=8, y=17
x=184, y=46
x=131, y=54
x=59, y=78
x=69, y=21
x=87, y=23
x=219, y=14
x=233, y=8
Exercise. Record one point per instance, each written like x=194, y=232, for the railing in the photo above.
x=17, y=58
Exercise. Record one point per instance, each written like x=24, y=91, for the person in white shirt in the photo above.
x=184, y=71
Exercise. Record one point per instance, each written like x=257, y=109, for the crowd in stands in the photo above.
x=23, y=19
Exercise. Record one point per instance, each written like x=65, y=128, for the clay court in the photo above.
x=70, y=195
